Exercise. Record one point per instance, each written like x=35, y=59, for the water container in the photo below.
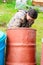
x=2, y=47
x=21, y=46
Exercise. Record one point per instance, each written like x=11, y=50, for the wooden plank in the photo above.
x=38, y=0
x=37, y=3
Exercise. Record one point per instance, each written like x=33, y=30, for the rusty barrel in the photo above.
x=42, y=53
x=21, y=46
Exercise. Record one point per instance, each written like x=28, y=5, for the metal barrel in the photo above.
x=21, y=46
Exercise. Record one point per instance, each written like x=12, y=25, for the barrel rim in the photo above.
x=33, y=63
x=22, y=29
x=16, y=44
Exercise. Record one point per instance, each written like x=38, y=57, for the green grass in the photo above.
x=8, y=10
x=38, y=25
x=29, y=2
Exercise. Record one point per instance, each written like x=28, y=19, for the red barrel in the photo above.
x=21, y=46
x=42, y=54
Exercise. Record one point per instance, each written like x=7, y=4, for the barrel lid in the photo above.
x=2, y=35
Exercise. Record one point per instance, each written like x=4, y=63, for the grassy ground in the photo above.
x=7, y=11
x=38, y=25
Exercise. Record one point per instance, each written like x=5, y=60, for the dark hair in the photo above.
x=33, y=13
